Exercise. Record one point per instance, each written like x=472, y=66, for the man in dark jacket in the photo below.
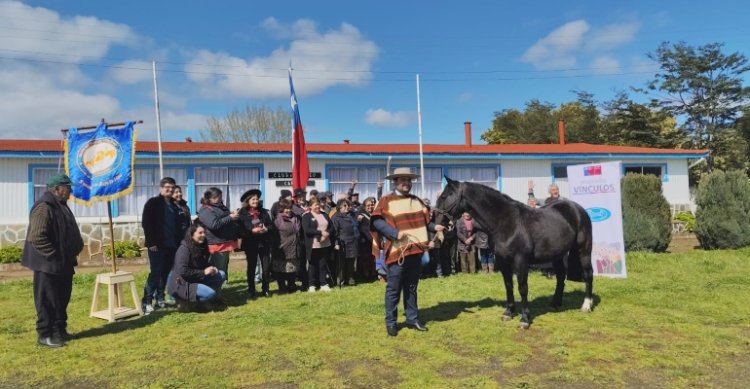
x=53, y=241
x=163, y=226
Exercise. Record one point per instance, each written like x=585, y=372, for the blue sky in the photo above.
x=71, y=63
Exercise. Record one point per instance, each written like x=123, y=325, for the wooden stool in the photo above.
x=115, y=310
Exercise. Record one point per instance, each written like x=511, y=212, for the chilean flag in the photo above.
x=300, y=167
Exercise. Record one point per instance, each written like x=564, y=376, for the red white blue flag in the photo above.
x=300, y=166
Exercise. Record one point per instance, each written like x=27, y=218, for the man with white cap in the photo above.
x=403, y=220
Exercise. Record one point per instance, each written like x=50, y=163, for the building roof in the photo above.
x=24, y=145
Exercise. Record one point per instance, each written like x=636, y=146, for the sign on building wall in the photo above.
x=596, y=187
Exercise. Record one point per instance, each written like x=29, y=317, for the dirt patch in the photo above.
x=683, y=243
x=367, y=373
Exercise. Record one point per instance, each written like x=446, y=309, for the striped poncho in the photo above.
x=407, y=214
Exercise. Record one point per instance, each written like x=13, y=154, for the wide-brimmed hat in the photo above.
x=251, y=193
x=59, y=180
x=401, y=172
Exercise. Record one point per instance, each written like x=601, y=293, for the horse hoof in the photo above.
x=525, y=326
x=587, y=305
x=506, y=318
x=586, y=309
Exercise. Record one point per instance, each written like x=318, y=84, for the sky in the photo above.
x=71, y=63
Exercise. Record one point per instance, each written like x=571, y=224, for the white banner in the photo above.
x=596, y=187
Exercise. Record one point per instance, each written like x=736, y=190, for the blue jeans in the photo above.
x=486, y=256
x=402, y=278
x=160, y=263
x=208, y=290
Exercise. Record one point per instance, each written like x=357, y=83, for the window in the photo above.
x=340, y=179
x=39, y=179
x=560, y=171
x=233, y=181
x=147, y=186
x=481, y=175
x=654, y=170
x=433, y=184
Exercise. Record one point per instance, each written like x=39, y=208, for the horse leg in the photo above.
x=559, y=266
x=523, y=290
x=588, y=279
x=510, y=306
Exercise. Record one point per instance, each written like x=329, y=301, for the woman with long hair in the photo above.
x=179, y=199
x=319, y=232
x=194, y=279
x=222, y=228
x=347, y=241
x=257, y=241
x=286, y=259
x=365, y=259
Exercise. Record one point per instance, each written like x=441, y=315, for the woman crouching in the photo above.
x=194, y=279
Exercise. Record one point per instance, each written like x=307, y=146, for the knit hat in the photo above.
x=59, y=180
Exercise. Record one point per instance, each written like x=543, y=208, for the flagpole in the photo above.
x=293, y=129
x=158, y=122
x=421, y=154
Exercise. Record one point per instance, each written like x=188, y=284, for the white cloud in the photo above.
x=38, y=106
x=132, y=72
x=315, y=56
x=173, y=123
x=558, y=48
x=81, y=38
x=611, y=36
x=606, y=65
x=382, y=118
x=563, y=47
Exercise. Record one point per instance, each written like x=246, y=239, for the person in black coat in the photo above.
x=164, y=224
x=194, y=280
x=365, y=259
x=259, y=238
x=53, y=242
x=319, y=233
x=347, y=241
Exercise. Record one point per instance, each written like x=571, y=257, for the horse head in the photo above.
x=449, y=205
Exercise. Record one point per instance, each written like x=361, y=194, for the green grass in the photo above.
x=676, y=321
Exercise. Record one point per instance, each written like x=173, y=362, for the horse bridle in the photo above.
x=451, y=220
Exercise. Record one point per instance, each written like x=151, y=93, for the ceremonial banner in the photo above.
x=100, y=163
x=300, y=166
x=596, y=187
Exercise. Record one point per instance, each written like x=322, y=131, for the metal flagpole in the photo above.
x=158, y=122
x=421, y=155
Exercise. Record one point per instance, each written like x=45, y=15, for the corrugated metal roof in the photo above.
x=203, y=147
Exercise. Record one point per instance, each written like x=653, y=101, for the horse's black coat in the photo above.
x=520, y=235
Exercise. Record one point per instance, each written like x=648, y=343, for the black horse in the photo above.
x=559, y=233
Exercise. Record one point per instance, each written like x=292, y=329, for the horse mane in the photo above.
x=490, y=192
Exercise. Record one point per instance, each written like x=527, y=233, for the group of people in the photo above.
x=303, y=243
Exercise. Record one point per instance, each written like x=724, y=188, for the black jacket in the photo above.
x=310, y=228
x=53, y=239
x=152, y=222
x=347, y=234
x=268, y=240
x=220, y=228
x=187, y=272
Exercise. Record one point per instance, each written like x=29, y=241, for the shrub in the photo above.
x=688, y=218
x=723, y=214
x=647, y=221
x=10, y=254
x=123, y=249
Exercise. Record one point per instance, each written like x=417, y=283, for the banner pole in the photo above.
x=112, y=237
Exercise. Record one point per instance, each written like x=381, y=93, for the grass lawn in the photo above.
x=678, y=320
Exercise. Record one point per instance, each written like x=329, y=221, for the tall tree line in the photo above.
x=695, y=100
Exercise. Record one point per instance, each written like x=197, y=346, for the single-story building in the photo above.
x=25, y=166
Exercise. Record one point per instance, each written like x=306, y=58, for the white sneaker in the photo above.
x=147, y=309
x=325, y=288
x=312, y=289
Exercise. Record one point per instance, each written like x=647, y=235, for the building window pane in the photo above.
x=233, y=182
x=147, y=186
x=340, y=179
x=433, y=184
x=40, y=177
x=560, y=171
x=481, y=175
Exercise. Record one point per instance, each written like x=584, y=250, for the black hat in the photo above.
x=321, y=195
x=299, y=192
x=285, y=193
x=250, y=193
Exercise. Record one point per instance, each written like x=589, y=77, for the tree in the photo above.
x=629, y=123
x=646, y=218
x=704, y=86
x=582, y=119
x=723, y=215
x=536, y=124
x=253, y=124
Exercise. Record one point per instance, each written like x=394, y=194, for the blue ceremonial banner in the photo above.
x=100, y=163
